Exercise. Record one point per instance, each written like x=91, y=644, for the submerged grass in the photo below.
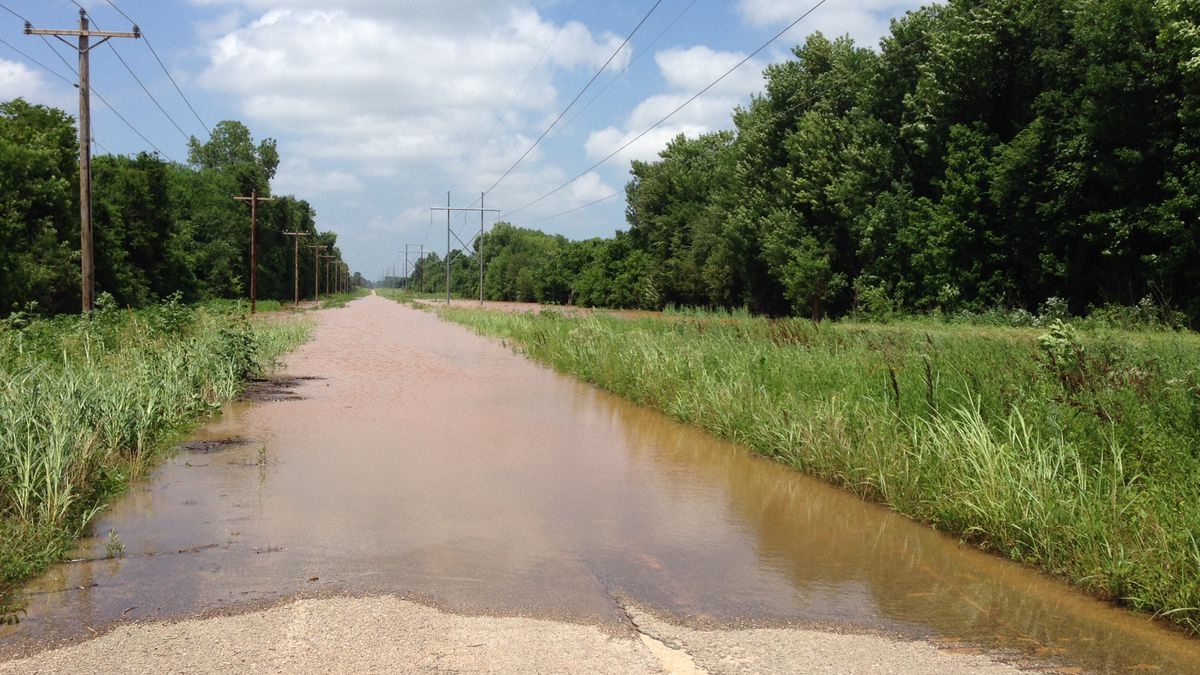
x=1077, y=454
x=86, y=403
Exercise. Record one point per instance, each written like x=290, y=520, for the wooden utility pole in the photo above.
x=85, y=46
x=254, y=199
x=317, y=271
x=296, y=260
x=328, y=259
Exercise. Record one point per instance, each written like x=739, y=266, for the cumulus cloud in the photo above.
x=358, y=86
x=398, y=98
x=686, y=72
x=300, y=177
x=20, y=80
x=449, y=14
x=864, y=20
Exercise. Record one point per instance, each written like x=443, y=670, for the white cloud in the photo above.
x=401, y=106
x=371, y=88
x=301, y=178
x=20, y=80
x=686, y=72
x=693, y=69
x=864, y=20
x=463, y=14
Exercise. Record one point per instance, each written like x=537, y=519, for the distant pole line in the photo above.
x=420, y=253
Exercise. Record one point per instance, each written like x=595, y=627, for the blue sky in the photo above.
x=381, y=106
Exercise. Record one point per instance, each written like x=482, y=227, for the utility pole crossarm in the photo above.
x=135, y=34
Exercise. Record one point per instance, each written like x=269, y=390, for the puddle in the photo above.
x=433, y=463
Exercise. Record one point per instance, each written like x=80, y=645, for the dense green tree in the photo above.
x=158, y=227
x=39, y=212
x=514, y=259
x=138, y=257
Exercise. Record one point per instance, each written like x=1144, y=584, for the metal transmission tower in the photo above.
x=449, y=232
x=85, y=46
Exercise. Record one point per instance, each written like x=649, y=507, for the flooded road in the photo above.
x=411, y=457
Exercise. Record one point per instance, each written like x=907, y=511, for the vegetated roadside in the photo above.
x=86, y=404
x=1072, y=448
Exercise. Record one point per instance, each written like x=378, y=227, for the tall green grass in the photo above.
x=336, y=300
x=86, y=403
x=1075, y=453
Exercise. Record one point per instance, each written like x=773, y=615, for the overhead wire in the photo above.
x=106, y=103
x=10, y=11
x=636, y=57
x=43, y=66
x=577, y=97
x=524, y=83
x=166, y=72
x=674, y=112
x=137, y=79
x=577, y=208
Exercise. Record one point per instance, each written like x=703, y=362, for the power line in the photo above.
x=636, y=57
x=525, y=82
x=577, y=208
x=106, y=103
x=164, y=69
x=158, y=105
x=676, y=110
x=143, y=86
x=65, y=62
x=577, y=97
x=6, y=8
x=35, y=61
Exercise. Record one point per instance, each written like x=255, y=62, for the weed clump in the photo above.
x=85, y=403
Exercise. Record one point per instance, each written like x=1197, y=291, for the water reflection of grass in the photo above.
x=1076, y=453
x=86, y=403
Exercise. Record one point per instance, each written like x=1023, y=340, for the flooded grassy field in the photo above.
x=400, y=454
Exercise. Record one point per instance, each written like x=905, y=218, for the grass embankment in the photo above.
x=86, y=404
x=1075, y=453
x=402, y=296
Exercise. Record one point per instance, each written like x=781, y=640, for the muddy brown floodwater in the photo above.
x=404, y=455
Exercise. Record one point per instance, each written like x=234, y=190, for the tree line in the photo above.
x=159, y=227
x=990, y=153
